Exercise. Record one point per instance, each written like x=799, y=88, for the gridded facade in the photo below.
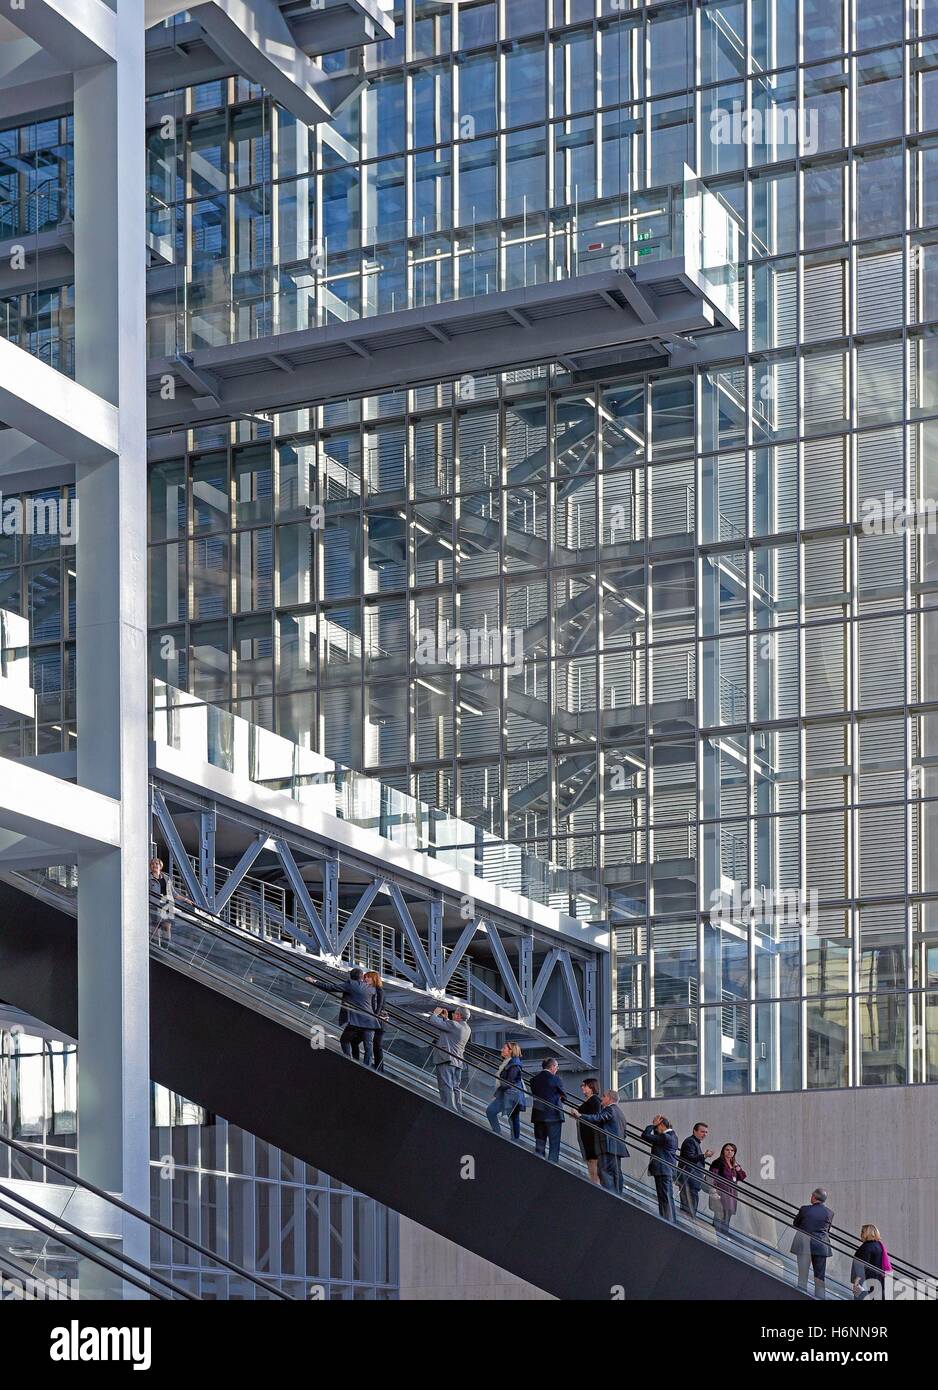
x=727, y=685
x=242, y=1198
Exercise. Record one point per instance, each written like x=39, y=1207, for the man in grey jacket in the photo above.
x=358, y=1016
x=449, y=1049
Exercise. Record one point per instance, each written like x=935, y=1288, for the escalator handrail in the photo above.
x=149, y=1221
x=754, y=1198
x=101, y=1257
x=25, y=1275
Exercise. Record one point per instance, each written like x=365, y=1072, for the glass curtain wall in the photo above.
x=726, y=708
x=213, y=1183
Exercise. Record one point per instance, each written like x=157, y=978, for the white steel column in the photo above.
x=110, y=342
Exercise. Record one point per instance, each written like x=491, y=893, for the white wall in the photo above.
x=873, y=1149
x=432, y=1268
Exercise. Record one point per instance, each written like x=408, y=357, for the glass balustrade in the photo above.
x=409, y=263
x=303, y=995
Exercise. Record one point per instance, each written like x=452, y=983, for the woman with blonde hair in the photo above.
x=870, y=1264
x=509, y=1098
x=371, y=977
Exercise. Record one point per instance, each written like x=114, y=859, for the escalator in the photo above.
x=63, y=1239
x=248, y=1029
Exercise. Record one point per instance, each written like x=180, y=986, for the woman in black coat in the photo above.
x=589, y=1133
x=870, y=1263
x=371, y=977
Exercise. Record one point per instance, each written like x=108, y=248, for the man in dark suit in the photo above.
x=612, y=1145
x=663, y=1164
x=547, y=1110
x=812, y=1246
x=693, y=1168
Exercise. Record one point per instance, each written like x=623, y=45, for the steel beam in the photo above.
x=178, y=850
x=579, y=1013
x=459, y=950
x=207, y=856
x=374, y=354
x=435, y=936
x=224, y=894
x=504, y=969
x=413, y=936
x=357, y=914
x=330, y=902
x=303, y=901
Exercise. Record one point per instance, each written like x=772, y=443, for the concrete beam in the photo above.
x=255, y=37
x=78, y=33
x=52, y=409
x=57, y=813
x=327, y=27
x=111, y=684
x=21, y=852
x=32, y=81
x=26, y=465
x=35, y=86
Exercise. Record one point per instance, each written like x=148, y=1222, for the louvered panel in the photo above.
x=824, y=390
x=823, y=302
x=784, y=307
x=825, y=483
x=824, y=668
x=879, y=466
x=674, y=806
x=882, y=740
x=918, y=690
x=879, y=381
x=879, y=292
x=881, y=567
x=674, y=674
x=917, y=847
x=526, y=604
x=623, y=506
x=788, y=851
x=623, y=812
x=786, y=488
x=826, y=855
x=623, y=679
x=881, y=649
x=882, y=849
x=787, y=691
x=478, y=447
x=732, y=496
x=824, y=572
